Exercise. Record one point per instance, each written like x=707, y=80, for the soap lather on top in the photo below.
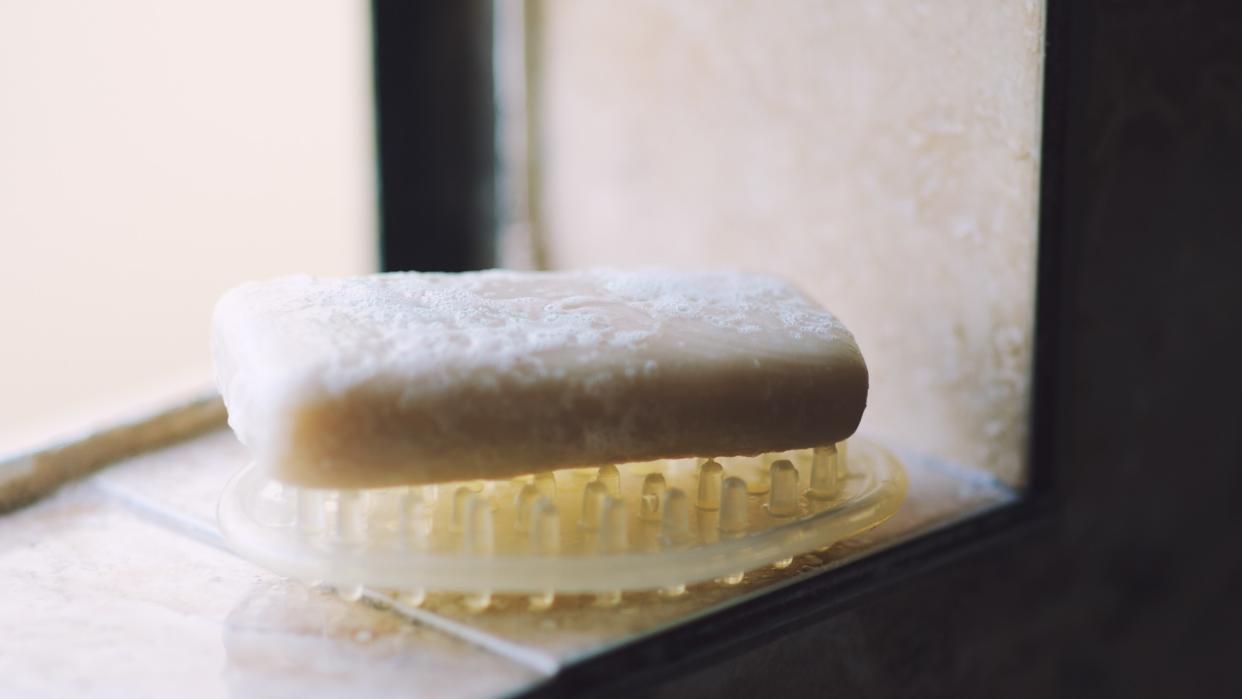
x=412, y=378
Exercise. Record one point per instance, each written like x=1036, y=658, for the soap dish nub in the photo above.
x=603, y=530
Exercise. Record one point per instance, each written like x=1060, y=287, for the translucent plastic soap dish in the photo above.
x=640, y=526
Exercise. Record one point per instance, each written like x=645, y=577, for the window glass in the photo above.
x=152, y=154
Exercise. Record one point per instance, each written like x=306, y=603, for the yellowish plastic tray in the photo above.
x=640, y=526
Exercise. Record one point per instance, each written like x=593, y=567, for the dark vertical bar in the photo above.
x=1064, y=114
x=435, y=134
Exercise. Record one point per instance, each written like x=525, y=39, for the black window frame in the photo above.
x=434, y=134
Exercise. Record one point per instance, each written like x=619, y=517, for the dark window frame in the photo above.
x=435, y=134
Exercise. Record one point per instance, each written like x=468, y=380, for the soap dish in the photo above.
x=602, y=530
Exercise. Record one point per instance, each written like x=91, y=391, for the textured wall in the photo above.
x=881, y=155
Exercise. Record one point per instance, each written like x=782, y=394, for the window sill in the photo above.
x=175, y=487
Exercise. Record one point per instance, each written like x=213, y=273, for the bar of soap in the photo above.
x=408, y=378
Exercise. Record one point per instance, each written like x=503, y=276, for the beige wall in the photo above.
x=881, y=154
x=152, y=154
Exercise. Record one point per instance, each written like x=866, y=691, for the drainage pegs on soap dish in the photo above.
x=656, y=525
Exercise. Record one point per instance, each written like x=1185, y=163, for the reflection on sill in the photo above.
x=174, y=489
x=187, y=478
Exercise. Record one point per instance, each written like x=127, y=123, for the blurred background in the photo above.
x=153, y=155
x=862, y=150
